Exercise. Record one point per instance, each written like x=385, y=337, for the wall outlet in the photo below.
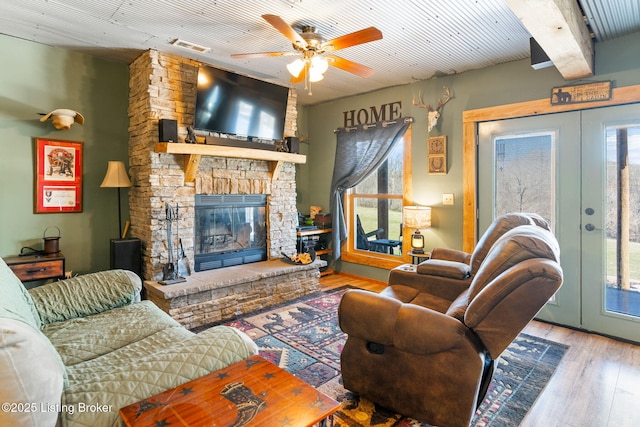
x=447, y=199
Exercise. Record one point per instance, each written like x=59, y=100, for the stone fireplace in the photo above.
x=163, y=86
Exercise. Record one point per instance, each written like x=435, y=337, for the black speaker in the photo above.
x=168, y=130
x=293, y=144
x=127, y=255
x=539, y=58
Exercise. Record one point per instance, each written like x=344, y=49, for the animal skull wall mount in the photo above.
x=63, y=118
x=433, y=114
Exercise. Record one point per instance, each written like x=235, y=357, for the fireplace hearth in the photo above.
x=230, y=229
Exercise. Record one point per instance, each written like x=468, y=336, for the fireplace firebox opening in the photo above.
x=230, y=229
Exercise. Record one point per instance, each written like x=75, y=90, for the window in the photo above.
x=373, y=211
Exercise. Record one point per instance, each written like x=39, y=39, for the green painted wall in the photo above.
x=38, y=79
x=618, y=60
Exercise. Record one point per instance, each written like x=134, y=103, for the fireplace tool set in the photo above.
x=174, y=271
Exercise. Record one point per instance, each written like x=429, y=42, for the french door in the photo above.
x=581, y=171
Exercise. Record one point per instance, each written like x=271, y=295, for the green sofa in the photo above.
x=73, y=352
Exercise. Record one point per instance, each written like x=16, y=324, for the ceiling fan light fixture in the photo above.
x=319, y=64
x=315, y=76
x=307, y=42
x=317, y=67
x=295, y=67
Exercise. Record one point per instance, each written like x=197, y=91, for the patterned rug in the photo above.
x=303, y=338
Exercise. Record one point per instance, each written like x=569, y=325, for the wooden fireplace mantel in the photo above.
x=194, y=152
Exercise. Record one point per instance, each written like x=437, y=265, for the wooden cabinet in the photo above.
x=37, y=267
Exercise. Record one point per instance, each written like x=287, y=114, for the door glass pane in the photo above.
x=524, y=174
x=622, y=213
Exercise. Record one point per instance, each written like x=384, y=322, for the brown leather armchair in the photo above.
x=421, y=353
x=453, y=269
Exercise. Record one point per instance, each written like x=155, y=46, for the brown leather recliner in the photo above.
x=452, y=269
x=430, y=357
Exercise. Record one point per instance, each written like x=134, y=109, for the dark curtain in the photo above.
x=359, y=151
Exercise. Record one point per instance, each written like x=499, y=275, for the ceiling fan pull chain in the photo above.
x=307, y=83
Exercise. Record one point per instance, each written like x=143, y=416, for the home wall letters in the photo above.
x=363, y=116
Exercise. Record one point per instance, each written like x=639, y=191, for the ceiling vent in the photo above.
x=191, y=46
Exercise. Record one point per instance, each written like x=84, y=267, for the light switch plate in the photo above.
x=447, y=199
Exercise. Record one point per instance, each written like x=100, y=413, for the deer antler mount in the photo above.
x=433, y=114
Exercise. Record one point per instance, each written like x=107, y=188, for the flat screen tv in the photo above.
x=238, y=105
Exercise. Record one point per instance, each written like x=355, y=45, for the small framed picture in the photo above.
x=58, y=176
x=437, y=145
x=437, y=165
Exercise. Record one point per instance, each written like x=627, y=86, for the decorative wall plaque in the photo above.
x=437, y=155
x=589, y=92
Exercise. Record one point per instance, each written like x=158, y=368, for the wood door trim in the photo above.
x=470, y=121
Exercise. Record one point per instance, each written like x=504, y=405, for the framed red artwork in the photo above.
x=58, y=176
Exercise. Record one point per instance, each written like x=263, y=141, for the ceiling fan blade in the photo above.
x=350, y=66
x=299, y=79
x=262, y=54
x=359, y=37
x=286, y=29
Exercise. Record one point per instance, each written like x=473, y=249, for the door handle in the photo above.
x=591, y=227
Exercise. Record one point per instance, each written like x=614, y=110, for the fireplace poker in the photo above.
x=170, y=273
x=183, y=261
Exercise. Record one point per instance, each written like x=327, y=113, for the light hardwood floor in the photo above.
x=597, y=383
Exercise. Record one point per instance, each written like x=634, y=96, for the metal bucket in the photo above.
x=51, y=243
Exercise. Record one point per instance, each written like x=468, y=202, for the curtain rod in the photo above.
x=367, y=126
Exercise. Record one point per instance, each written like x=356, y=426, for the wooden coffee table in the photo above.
x=251, y=392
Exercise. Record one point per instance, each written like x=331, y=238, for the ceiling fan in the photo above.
x=316, y=52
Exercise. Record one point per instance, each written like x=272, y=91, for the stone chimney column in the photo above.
x=163, y=86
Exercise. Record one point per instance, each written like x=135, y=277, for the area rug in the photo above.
x=303, y=338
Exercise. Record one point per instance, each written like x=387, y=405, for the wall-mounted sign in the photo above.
x=58, y=176
x=373, y=114
x=589, y=92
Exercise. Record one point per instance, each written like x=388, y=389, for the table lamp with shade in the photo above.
x=116, y=177
x=417, y=217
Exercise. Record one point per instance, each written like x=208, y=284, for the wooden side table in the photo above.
x=37, y=267
x=252, y=392
x=419, y=257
